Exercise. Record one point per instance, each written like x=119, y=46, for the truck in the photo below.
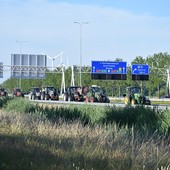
x=134, y=96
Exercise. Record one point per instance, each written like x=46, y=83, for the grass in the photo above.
x=28, y=142
x=33, y=137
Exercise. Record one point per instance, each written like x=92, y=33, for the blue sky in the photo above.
x=117, y=29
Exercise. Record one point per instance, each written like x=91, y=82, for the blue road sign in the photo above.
x=108, y=67
x=140, y=69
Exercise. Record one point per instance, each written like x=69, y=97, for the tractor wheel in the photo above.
x=33, y=97
x=42, y=97
x=69, y=98
x=133, y=102
x=65, y=98
x=29, y=96
x=46, y=97
x=92, y=99
x=126, y=101
x=104, y=99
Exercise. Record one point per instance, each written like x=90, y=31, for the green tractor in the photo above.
x=134, y=96
x=97, y=94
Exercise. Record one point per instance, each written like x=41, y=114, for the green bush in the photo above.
x=3, y=101
x=140, y=117
x=20, y=105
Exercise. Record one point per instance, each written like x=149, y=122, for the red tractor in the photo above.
x=3, y=92
x=17, y=93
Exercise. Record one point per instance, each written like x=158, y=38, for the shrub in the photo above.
x=20, y=105
x=139, y=117
x=3, y=101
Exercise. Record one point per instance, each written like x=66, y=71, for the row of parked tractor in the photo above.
x=92, y=93
x=72, y=93
x=16, y=92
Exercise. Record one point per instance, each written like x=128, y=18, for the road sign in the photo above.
x=28, y=66
x=108, y=67
x=140, y=69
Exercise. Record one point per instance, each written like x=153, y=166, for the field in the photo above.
x=84, y=137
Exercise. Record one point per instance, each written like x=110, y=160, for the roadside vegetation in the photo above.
x=82, y=137
x=155, y=87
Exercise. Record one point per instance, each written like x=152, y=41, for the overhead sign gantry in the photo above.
x=28, y=66
x=109, y=70
x=140, y=72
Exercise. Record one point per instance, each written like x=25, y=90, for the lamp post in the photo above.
x=80, y=24
x=20, y=48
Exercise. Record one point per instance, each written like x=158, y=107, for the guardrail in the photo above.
x=122, y=99
x=152, y=99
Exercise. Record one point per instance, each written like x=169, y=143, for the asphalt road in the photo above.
x=116, y=104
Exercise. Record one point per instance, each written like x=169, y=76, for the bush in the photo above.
x=139, y=117
x=3, y=101
x=20, y=105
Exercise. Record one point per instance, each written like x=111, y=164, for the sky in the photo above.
x=116, y=29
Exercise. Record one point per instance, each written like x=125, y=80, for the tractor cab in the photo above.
x=134, y=95
x=134, y=90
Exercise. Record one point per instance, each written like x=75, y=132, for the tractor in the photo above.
x=97, y=94
x=3, y=92
x=17, y=92
x=134, y=96
x=49, y=93
x=74, y=93
x=34, y=93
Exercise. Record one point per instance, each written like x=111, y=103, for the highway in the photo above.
x=115, y=104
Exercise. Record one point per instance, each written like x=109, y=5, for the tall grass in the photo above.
x=84, y=137
x=28, y=142
x=140, y=117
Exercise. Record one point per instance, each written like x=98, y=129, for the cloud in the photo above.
x=111, y=33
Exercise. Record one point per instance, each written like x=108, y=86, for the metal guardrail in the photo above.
x=152, y=99
x=120, y=105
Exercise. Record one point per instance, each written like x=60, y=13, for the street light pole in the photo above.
x=20, y=48
x=80, y=24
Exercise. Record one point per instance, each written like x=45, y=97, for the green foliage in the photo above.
x=139, y=60
x=3, y=101
x=82, y=137
x=66, y=113
x=28, y=143
x=139, y=117
x=20, y=105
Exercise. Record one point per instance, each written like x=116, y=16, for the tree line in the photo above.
x=155, y=86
